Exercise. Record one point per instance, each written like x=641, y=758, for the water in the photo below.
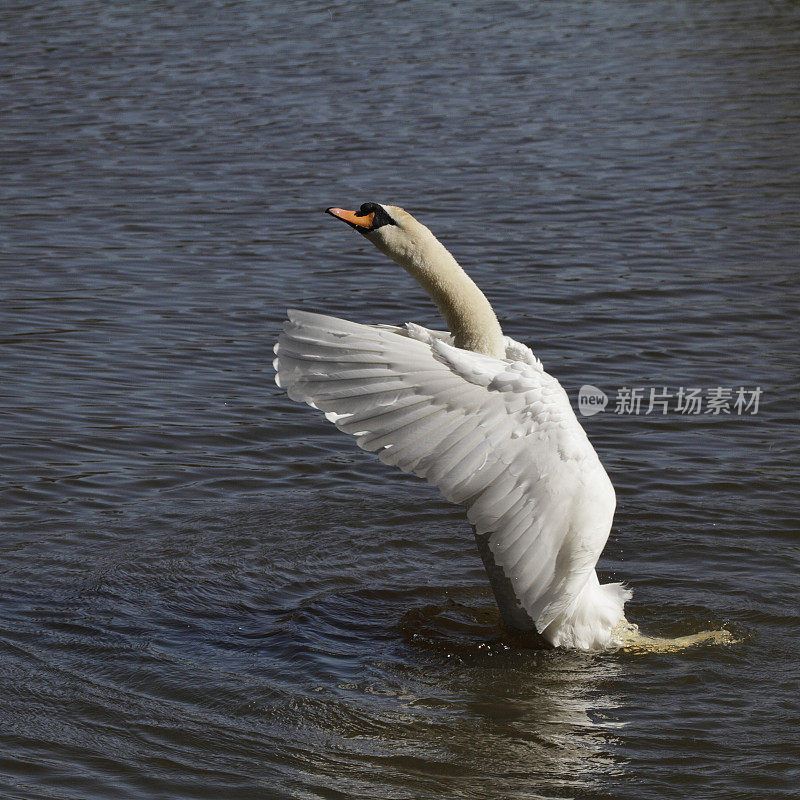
x=209, y=592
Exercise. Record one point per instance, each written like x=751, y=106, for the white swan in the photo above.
x=475, y=414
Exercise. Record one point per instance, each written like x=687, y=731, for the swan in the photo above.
x=474, y=413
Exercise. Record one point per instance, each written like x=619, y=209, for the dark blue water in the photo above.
x=209, y=592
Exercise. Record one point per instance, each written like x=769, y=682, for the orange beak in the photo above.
x=352, y=218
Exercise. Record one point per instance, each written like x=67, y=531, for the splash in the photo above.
x=635, y=642
x=464, y=629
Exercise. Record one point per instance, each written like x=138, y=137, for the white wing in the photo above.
x=498, y=436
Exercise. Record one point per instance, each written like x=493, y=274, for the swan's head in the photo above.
x=391, y=229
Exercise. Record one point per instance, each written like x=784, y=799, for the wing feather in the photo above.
x=498, y=436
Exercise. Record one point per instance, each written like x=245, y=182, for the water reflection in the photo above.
x=457, y=710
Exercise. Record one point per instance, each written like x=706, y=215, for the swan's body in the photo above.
x=475, y=414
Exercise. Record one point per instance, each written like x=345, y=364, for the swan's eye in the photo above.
x=365, y=209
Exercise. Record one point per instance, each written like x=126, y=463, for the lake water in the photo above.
x=208, y=591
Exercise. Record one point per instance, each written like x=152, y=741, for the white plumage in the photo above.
x=496, y=434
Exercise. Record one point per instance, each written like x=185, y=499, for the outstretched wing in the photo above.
x=498, y=436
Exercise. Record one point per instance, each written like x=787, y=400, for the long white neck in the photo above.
x=470, y=317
